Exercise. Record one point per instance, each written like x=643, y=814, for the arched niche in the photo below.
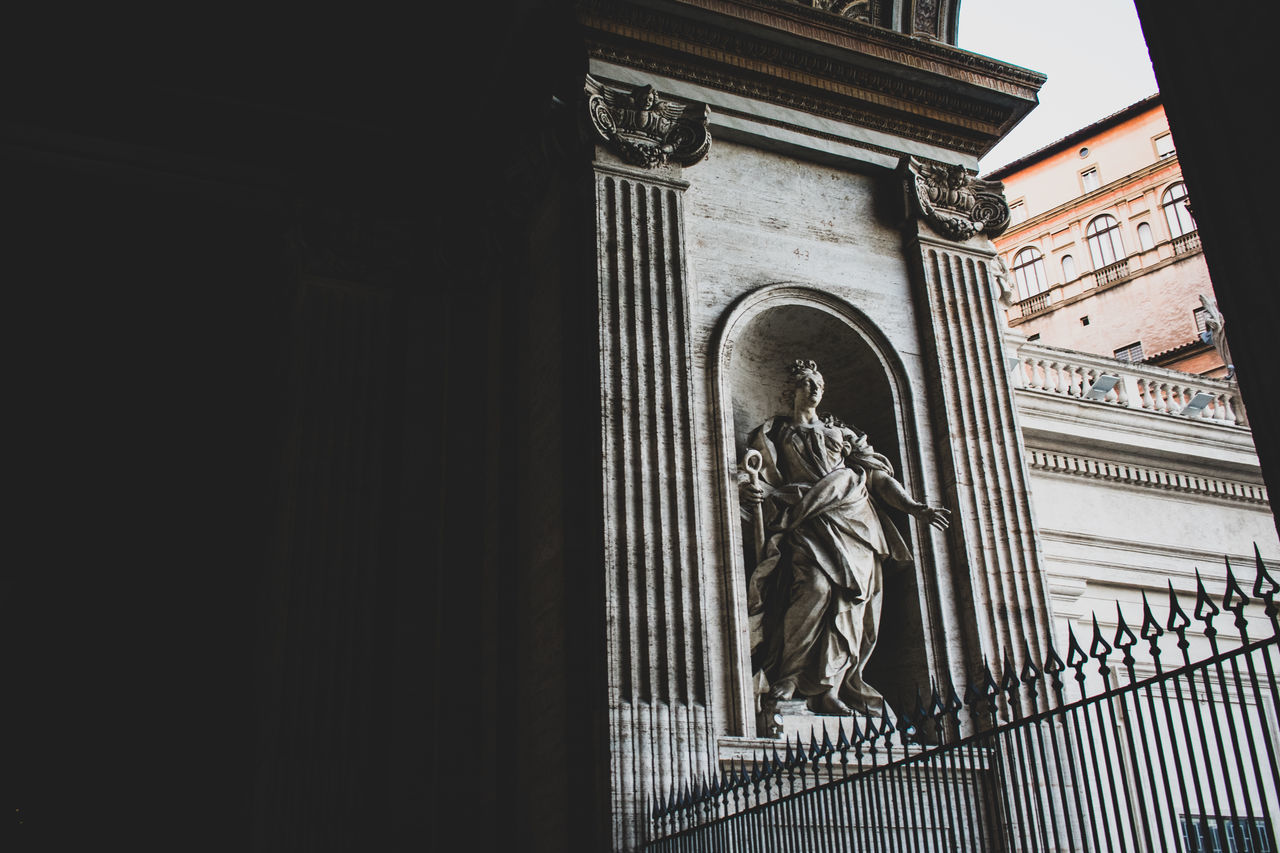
x=866, y=387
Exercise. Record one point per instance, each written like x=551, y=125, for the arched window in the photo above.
x=1028, y=272
x=1146, y=240
x=1174, y=202
x=1103, y=236
x=1068, y=268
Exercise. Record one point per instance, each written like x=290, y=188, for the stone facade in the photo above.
x=805, y=230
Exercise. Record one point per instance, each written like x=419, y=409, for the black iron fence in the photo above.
x=1109, y=749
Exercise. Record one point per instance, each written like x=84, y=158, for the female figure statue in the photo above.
x=814, y=596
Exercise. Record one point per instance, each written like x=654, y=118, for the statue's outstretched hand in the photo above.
x=937, y=516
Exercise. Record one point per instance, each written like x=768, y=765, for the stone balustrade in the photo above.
x=1109, y=382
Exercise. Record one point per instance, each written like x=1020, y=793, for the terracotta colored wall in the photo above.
x=1154, y=303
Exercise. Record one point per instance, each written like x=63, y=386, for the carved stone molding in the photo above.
x=867, y=11
x=645, y=130
x=953, y=202
x=1142, y=475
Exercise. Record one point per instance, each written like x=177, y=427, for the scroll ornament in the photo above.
x=954, y=202
x=645, y=130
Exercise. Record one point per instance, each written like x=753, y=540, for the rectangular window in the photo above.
x=1089, y=178
x=1131, y=353
x=1200, y=314
x=1017, y=212
x=1164, y=145
x=1218, y=834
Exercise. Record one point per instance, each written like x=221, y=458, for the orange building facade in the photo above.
x=1103, y=254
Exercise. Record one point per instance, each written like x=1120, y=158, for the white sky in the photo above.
x=1092, y=50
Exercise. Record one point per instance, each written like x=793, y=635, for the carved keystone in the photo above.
x=645, y=130
x=954, y=202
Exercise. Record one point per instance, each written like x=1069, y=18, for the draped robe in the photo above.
x=814, y=597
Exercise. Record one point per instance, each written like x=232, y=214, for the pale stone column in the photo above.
x=659, y=716
x=979, y=446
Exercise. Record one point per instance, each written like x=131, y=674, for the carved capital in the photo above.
x=645, y=130
x=857, y=10
x=956, y=204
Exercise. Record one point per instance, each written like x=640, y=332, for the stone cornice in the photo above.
x=811, y=60
x=1145, y=476
x=924, y=54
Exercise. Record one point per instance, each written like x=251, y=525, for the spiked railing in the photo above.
x=1140, y=758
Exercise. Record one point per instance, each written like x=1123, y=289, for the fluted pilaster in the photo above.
x=659, y=717
x=981, y=454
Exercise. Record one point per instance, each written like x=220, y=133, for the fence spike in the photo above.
x=1076, y=658
x=789, y=757
x=987, y=684
x=906, y=728
x=1178, y=619
x=1150, y=630
x=1205, y=608
x=842, y=742
x=1054, y=667
x=886, y=724
x=1267, y=593
x=1234, y=599
x=827, y=748
x=1008, y=680
x=954, y=705
x=1030, y=673
x=1100, y=648
x=1124, y=638
x=814, y=753
x=1099, y=651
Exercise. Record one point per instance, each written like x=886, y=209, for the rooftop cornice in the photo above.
x=1075, y=137
x=818, y=62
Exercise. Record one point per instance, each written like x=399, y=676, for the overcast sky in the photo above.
x=1092, y=50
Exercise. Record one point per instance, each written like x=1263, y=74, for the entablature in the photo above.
x=808, y=59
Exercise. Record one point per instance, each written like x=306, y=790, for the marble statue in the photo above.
x=1216, y=327
x=818, y=492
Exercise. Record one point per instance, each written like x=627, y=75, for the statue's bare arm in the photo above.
x=895, y=495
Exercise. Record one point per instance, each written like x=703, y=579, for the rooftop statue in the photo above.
x=818, y=493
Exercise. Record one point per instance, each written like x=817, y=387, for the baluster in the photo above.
x=1033, y=374
x=1219, y=407
x=1144, y=395
x=1075, y=378
x=1046, y=375
x=1088, y=377
x=1239, y=415
x=1160, y=396
x=1050, y=376
x=1126, y=391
